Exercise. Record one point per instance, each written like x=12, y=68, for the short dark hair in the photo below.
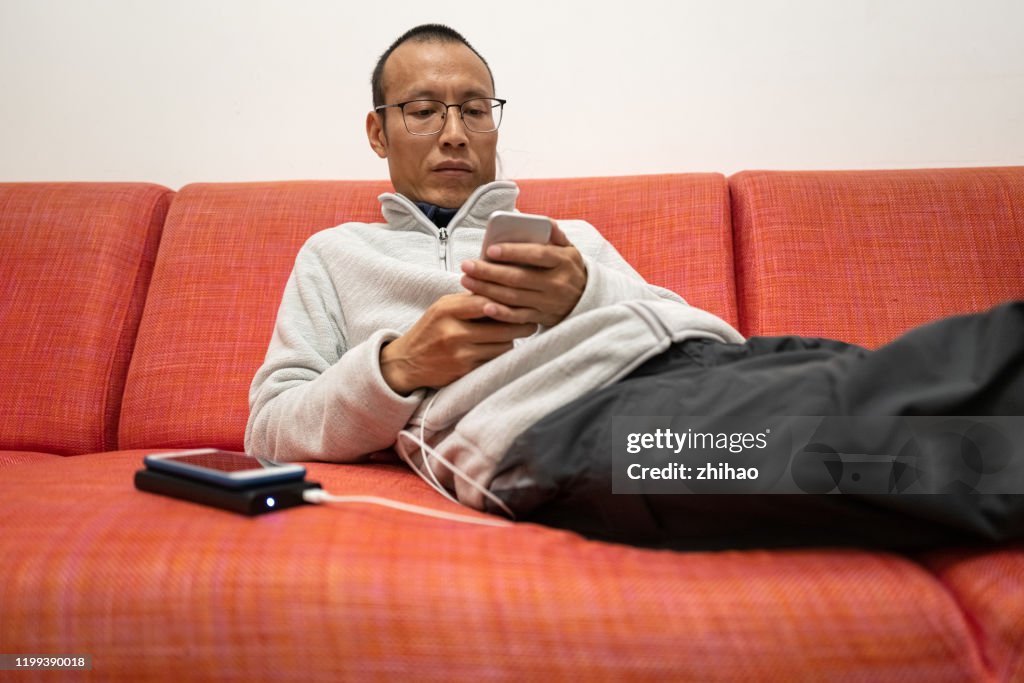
x=423, y=33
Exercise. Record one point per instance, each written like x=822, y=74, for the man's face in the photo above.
x=441, y=169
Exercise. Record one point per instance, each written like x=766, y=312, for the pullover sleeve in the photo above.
x=314, y=398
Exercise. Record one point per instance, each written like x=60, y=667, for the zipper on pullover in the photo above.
x=442, y=250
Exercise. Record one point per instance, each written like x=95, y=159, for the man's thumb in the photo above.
x=558, y=237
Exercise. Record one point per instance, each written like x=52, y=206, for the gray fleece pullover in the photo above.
x=320, y=394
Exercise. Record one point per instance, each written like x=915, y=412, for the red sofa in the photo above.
x=134, y=317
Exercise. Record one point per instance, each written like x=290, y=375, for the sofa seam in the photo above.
x=732, y=254
x=971, y=623
x=741, y=201
x=152, y=207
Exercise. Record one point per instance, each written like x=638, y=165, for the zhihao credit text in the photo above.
x=705, y=472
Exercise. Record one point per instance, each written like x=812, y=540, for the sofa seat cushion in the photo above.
x=21, y=457
x=989, y=586
x=157, y=588
x=75, y=262
x=862, y=256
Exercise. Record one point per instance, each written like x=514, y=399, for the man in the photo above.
x=376, y=318
x=442, y=170
x=375, y=315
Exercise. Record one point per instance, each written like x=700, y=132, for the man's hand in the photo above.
x=451, y=338
x=529, y=283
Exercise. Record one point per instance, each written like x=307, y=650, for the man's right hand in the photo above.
x=450, y=339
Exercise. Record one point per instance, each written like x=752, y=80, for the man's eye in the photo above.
x=476, y=108
x=421, y=112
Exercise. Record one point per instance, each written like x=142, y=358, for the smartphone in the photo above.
x=513, y=226
x=224, y=468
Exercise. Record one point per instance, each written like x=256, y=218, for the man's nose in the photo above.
x=453, y=131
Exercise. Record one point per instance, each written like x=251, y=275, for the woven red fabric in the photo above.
x=21, y=457
x=226, y=253
x=863, y=256
x=674, y=229
x=160, y=589
x=75, y=262
x=989, y=587
x=227, y=250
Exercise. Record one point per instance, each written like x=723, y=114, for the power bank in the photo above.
x=247, y=501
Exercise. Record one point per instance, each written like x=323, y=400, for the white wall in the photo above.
x=235, y=90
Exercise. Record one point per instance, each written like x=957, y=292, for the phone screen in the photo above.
x=220, y=461
x=227, y=468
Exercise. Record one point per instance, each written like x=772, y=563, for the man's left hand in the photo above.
x=529, y=283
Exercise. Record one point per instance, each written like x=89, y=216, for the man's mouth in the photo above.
x=453, y=168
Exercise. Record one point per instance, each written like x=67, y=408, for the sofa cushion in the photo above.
x=75, y=261
x=227, y=251
x=862, y=256
x=225, y=256
x=987, y=586
x=20, y=457
x=161, y=589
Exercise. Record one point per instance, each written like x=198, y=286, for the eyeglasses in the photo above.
x=427, y=117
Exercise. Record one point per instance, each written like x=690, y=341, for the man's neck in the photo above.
x=438, y=215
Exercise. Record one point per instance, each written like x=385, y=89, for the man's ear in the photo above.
x=376, y=135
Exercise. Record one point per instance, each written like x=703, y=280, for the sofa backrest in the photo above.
x=227, y=251
x=863, y=256
x=75, y=262
x=675, y=229
x=225, y=256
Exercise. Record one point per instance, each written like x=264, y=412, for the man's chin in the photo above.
x=446, y=192
x=452, y=192
x=449, y=198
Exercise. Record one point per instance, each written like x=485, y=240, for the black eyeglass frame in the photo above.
x=462, y=116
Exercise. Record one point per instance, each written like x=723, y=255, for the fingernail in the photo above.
x=494, y=251
x=468, y=266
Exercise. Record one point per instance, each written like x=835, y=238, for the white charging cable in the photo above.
x=426, y=450
x=317, y=496
x=422, y=440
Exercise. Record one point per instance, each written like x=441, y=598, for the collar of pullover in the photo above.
x=438, y=215
x=401, y=213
